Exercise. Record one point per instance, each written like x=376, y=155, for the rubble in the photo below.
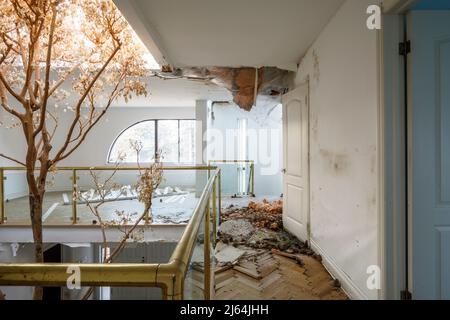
x=251, y=251
x=259, y=225
x=236, y=230
x=295, y=257
x=226, y=254
x=262, y=215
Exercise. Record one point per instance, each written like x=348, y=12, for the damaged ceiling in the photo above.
x=250, y=47
x=245, y=84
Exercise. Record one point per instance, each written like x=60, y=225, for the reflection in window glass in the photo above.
x=168, y=140
x=174, y=138
x=144, y=132
x=187, y=141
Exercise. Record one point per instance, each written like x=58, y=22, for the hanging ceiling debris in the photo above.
x=245, y=84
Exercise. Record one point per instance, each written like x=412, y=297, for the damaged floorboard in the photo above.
x=280, y=278
x=256, y=259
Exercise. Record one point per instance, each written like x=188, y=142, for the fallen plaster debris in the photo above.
x=226, y=254
x=126, y=192
x=236, y=230
x=262, y=215
x=251, y=235
x=262, y=258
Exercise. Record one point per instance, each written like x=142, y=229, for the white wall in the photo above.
x=94, y=150
x=343, y=71
x=264, y=142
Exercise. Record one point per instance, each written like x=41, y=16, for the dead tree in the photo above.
x=149, y=178
x=45, y=46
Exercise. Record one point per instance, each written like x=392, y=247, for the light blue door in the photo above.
x=429, y=66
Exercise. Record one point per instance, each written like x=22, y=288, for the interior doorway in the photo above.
x=296, y=215
x=52, y=255
x=417, y=105
x=429, y=105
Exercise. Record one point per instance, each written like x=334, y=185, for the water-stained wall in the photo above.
x=342, y=67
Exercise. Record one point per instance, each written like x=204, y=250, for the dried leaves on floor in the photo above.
x=263, y=214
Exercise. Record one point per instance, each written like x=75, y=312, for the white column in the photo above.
x=201, y=114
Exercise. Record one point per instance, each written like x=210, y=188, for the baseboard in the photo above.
x=15, y=195
x=349, y=287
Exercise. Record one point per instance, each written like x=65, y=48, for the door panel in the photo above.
x=293, y=138
x=429, y=64
x=296, y=162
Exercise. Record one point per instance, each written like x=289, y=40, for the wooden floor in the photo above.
x=272, y=277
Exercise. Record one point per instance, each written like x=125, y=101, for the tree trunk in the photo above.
x=36, y=224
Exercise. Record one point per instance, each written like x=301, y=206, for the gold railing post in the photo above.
x=214, y=211
x=219, y=182
x=74, y=197
x=207, y=256
x=2, y=195
x=252, y=172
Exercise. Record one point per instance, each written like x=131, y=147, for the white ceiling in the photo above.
x=229, y=32
x=176, y=93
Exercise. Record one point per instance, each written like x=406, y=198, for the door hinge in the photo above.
x=404, y=48
x=405, y=295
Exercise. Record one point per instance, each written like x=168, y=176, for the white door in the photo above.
x=296, y=162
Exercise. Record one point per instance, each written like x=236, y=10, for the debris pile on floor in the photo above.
x=260, y=226
x=262, y=215
x=249, y=257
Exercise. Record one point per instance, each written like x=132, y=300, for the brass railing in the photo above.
x=167, y=276
x=252, y=170
x=74, y=177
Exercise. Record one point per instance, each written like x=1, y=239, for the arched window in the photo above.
x=174, y=138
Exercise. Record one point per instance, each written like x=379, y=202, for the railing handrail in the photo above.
x=76, y=169
x=180, y=253
x=231, y=161
x=118, y=168
x=169, y=276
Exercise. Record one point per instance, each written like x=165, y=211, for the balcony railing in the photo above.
x=71, y=181
x=238, y=176
x=174, y=277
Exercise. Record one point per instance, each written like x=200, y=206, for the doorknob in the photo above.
x=283, y=170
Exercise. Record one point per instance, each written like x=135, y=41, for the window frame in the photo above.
x=155, y=121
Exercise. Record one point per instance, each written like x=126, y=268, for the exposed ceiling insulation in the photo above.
x=245, y=84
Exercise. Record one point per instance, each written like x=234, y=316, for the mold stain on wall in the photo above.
x=337, y=163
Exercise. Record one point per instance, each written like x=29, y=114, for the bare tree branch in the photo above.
x=12, y=159
x=10, y=90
